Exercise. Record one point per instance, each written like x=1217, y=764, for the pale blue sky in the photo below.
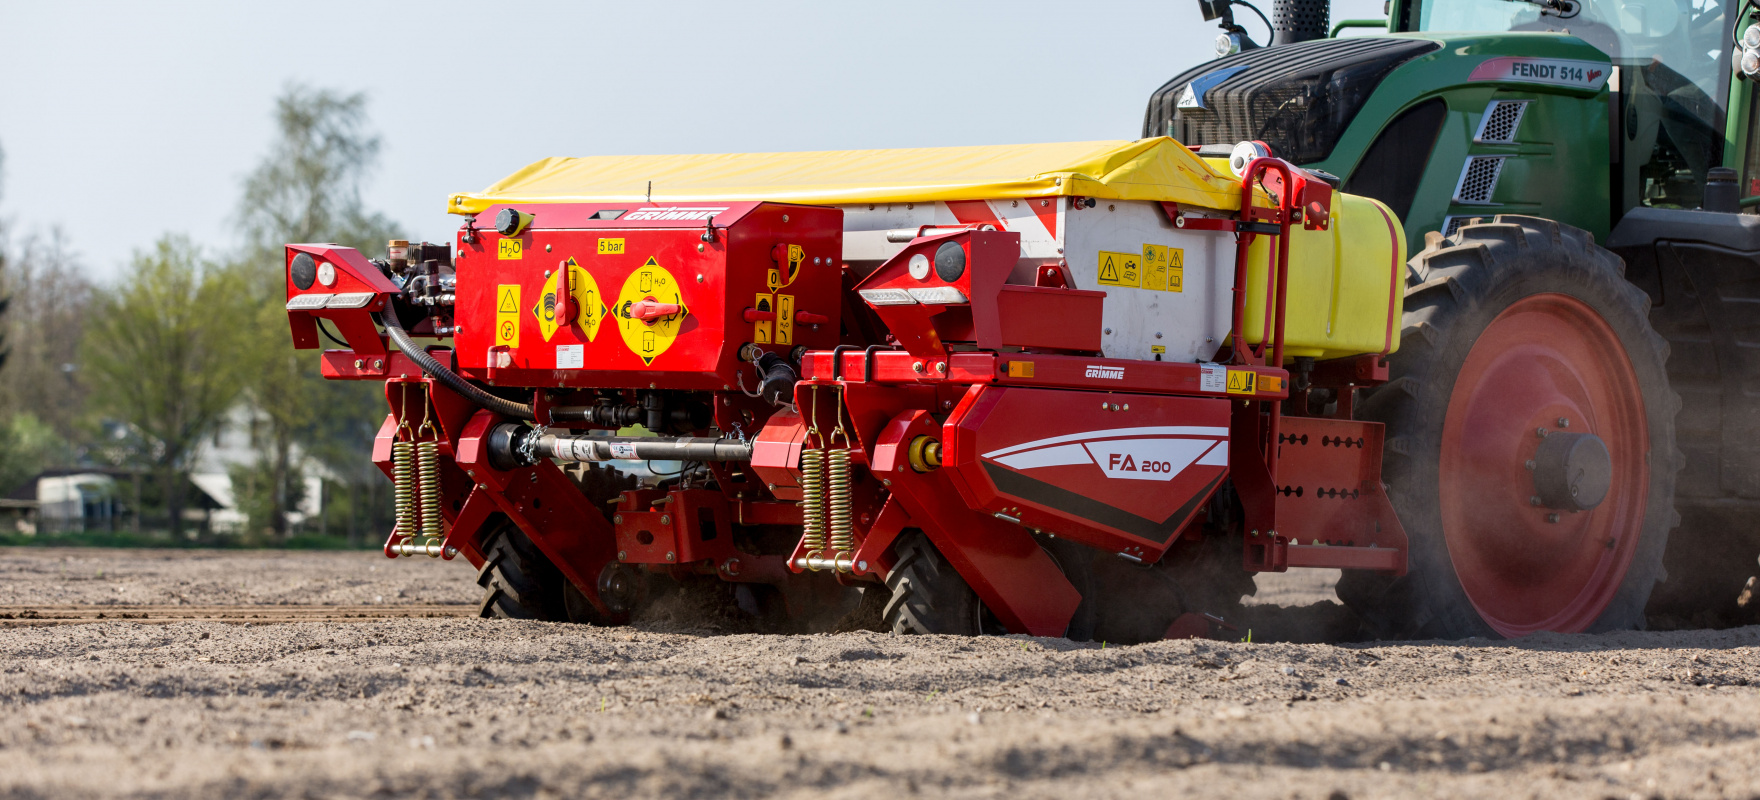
x=121, y=121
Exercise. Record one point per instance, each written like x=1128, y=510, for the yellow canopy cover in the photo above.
x=1146, y=169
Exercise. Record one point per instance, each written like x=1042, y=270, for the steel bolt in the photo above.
x=360, y=362
x=665, y=519
x=1534, y=501
x=917, y=366
x=699, y=249
x=771, y=486
x=1563, y=422
x=534, y=477
x=784, y=217
x=1540, y=432
x=862, y=566
x=671, y=557
x=1107, y=331
x=617, y=519
x=1127, y=406
x=1551, y=517
x=1530, y=464
x=378, y=363
x=885, y=481
x=546, y=273
x=1105, y=406
x=471, y=472
x=622, y=556
x=699, y=277
x=941, y=367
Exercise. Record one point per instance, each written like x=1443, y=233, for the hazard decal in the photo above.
x=589, y=303
x=507, y=314
x=650, y=287
x=1242, y=381
x=1121, y=269
x=1164, y=268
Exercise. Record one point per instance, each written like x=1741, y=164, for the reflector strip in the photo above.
x=307, y=302
x=350, y=300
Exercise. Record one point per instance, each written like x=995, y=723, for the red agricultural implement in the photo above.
x=1079, y=390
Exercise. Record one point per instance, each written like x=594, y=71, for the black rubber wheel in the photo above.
x=518, y=581
x=1494, y=284
x=928, y=595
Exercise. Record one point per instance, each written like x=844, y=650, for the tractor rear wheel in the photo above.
x=1530, y=443
x=518, y=581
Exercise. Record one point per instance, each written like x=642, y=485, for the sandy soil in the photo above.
x=454, y=708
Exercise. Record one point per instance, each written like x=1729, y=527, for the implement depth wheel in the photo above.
x=928, y=595
x=1530, y=440
x=518, y=581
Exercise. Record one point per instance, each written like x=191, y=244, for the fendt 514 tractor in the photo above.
x=1077, y=390
x=1629, y=121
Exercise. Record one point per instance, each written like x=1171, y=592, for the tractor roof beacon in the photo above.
x=1511, y=136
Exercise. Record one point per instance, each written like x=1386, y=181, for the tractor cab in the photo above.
x=1574, y=111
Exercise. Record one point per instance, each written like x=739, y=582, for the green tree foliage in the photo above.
x=161, y=354
x=307, y=189
x=27, y=444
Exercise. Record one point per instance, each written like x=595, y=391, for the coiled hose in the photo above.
x=400, y=337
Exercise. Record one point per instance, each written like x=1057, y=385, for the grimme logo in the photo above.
x=674, y=212
x=1109, y=373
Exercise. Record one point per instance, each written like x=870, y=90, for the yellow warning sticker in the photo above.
x=1164, y=268
x=649, y=337
x=510, y=249
x=1158, y=349
x=785, y=319
x=763, y=329
x=589, y=303
x=611, y=247
x=1242, y=381
x=1120, y=269
x=507, y=314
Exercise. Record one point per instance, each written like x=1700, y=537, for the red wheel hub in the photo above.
x=1549, y=363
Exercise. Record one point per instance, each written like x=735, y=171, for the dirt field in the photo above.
x=466, y=707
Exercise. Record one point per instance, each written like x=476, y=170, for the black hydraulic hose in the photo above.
x=400, y=337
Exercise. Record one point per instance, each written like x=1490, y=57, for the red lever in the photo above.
x=564, y=298
x=754, y=315
x=648, y=310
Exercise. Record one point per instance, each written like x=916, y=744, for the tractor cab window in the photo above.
x=1673, y=59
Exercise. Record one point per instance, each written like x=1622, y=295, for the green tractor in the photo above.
x=1581, y=339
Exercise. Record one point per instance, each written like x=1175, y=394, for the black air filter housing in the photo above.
x=1297, y=98
x=1300, y=20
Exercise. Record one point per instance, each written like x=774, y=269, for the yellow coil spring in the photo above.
x=813, y=500
x=428, y=474
x=403, y=486
x=838, y=501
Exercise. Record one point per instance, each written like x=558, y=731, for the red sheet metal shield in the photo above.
x=1119, y=471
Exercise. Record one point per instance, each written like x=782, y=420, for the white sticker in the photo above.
x=1589, y=75
x=571, y=356
x=1214, y=378
x=623, y=450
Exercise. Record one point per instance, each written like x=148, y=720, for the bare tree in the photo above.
x=161, y=353
x=308, y=189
